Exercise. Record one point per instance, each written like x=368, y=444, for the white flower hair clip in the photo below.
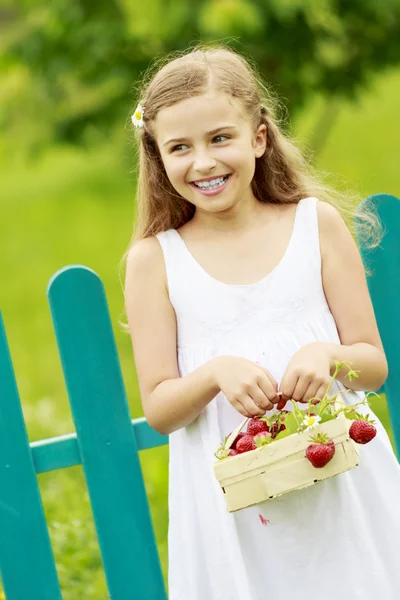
x=137, y=117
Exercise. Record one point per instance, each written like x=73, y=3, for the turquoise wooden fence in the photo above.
x=107, y=442
x=383, y=263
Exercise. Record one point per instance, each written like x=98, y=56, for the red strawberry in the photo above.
x=256, y=426
x=321, y=451
x=362, y=431
x=274, y=428
x=282, y=427
x=232, y=452
x=281, y=404
x=245, y=444
x=238, y=437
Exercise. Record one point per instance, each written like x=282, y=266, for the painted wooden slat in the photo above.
x=105, y=435
x=26, y=557
x=63, y=451
x=146, y=437
x=384, y=288
x=56, y=453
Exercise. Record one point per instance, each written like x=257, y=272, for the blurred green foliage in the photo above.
x=68, y=68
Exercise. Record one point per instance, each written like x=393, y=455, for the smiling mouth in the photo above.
x=213, y=184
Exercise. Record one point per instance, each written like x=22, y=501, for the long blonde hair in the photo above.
x=282, y=174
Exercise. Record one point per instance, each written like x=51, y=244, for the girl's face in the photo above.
x=209, y=150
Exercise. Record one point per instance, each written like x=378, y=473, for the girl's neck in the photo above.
x=240, y=217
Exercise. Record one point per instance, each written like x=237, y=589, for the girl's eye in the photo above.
x=219, y=137
x=178, y=147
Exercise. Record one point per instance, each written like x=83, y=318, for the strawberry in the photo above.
x=274, y=427
x=321, y=451
x=262, y=438
x=281, y=404
x=256, y=426
x=232, y=452
x=238, y=437
x=245, y=444
x=362, y=431
x=282, y=427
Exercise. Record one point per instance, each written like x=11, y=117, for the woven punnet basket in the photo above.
x=282, y=467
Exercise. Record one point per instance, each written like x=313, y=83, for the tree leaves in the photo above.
x=88, y=54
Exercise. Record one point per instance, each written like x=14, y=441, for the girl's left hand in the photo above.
x=307, y=374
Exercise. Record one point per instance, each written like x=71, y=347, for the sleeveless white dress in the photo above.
x=339, y=539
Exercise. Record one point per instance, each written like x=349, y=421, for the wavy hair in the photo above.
x=282, y=173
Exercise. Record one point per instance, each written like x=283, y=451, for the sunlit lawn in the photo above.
x=75, y=207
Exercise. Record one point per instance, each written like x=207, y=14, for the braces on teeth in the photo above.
x=214, y=183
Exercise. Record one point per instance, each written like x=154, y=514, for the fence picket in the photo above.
x=26, y=557
x=105, y=435
x=383, y=263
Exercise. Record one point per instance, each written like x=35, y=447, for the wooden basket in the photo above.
x=280, y=467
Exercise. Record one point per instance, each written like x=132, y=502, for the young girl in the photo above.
x=242, y=284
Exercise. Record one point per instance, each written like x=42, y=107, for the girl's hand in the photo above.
x=250, y=388
x=307, y=374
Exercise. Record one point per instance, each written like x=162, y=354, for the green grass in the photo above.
x=75, y=207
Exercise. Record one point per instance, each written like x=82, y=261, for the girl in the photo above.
x=242, y=284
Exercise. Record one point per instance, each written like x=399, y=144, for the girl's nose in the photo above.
x=203, y=163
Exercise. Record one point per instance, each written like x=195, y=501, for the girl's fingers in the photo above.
x=288, y=385
x=270, y=378
x=315, y=390
x=320, y=392
x=311, y=391
x=259, y=397
x=240, y=408
x=300, y=389
x=251, y=407
x=268, y=388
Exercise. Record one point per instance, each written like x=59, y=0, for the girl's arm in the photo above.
x=347, y=294
x=169, y=402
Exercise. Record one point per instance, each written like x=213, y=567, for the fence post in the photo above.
x=105, y=436
x=26, y=558
x=383, y=280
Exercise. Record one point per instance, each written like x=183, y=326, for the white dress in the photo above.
x=337, y=540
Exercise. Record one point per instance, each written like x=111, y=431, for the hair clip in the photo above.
x=137, y=117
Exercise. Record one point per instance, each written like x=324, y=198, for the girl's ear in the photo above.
x=260, y=141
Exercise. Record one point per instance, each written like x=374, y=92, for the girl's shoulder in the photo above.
x=145, y=258
x=149, y=248
x=328, y=214
x=331, y=224
x=335, y=237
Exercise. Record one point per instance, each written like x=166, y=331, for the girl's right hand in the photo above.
x=249, y=387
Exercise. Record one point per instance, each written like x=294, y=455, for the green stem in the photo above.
x=325, y=398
